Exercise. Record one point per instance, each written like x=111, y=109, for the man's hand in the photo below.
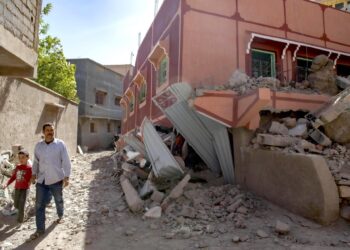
x=33, y=179
x=65, y=182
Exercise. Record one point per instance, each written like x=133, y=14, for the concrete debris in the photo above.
x=176, y=192
x=262, y=234
x=157, y=196
x=278, y=128
x=238, y=79
x=342, y=82
x=323, y=77
x=289, y=122
x=154, y=213
x=339, y=129
x=276, y=140
x=132, y=198
x=300, y=130
x=282, y=228
x=344, y=192
x=235, y=239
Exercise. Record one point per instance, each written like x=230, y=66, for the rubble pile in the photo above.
x=290, y=132
x=184, y=201
x=321, y=79
x=199, y=206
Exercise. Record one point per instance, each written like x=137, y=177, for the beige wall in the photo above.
x=19, y=22
x=25, y=106
x=101, y=138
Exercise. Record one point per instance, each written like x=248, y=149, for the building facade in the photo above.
x=19, y=24
x=99, y=90
x=25, y=106
x=203, y=42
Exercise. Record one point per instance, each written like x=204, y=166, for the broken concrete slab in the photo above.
x=276, y=140
x=163, y=162
x=278, y=128
x=301, y=186
x=132, y=198
x=176, y=192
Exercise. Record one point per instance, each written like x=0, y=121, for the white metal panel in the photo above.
x=174, y=104
x=163, y=162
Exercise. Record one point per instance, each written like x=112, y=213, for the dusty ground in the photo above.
x=97, y=218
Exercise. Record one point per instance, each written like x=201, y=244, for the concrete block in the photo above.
x=278, y=128
x=344, y=192
x=276, y=140
x=154, y=213
x=300, y=183
x=299, y=130
x=132, y=198
x=157, y=196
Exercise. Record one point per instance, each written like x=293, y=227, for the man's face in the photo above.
x=23, y=159
x=49, y=133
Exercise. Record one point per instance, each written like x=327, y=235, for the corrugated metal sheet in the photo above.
x=222, y=147
x=136, y=144
x=163, y=162
x=174, y=104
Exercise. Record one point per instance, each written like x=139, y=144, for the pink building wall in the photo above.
x=207, y=40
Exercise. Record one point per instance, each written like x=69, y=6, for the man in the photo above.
x=51, y=171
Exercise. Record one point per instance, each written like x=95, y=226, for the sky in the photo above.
x=105, y=31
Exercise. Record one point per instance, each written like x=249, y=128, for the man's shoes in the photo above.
x=35, y=235
x=60, y=220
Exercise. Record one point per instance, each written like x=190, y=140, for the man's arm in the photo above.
x=35, y=167
x=66, y=165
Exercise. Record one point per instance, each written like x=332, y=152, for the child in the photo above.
x=22, y=175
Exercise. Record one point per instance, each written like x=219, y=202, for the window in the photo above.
x=92, y=128
x=263, y=63
x=143, y=92
x=163, y=70
x=303, y=66
x=108, y=127
x=100, y=97
x=348, y=5
x=117, y=101
x=339, y=6
x=131, y=103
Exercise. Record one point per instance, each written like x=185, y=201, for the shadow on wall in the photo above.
x=5, y=86
x=50, y=114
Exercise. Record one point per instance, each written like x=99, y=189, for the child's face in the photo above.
x=23, y=159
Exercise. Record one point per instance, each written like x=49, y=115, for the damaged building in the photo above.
x=261, y=99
